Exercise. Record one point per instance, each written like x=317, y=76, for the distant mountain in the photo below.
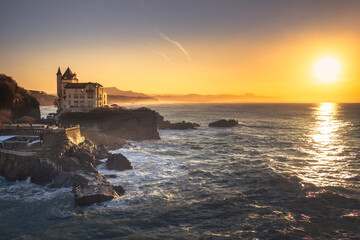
x=115, y=91
x=247, y=97
x=118, y=96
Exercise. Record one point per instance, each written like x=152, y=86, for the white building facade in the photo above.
x=76, y=97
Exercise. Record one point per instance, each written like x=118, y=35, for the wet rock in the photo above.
x=118, y=162
x=224, y=123
x=119, y=190
x=44, y=172
x=110, y=176
x=164, y=124
x=93, y=188
x=183, y=125
x=87, y=195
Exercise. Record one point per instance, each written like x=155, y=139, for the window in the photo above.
x=90, y=104
x=69, y=95
x=90, y=95
x=81, y=95
x=76, y=95
x=76, y=103
x=82, y=104
x=69, y=103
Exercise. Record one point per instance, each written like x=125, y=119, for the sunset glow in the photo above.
x=327, y=69
x=153, y=49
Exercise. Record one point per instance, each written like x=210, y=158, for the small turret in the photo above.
x=58, y=81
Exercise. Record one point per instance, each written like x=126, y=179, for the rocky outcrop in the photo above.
x=224, y=123
x=138, y=124
x=66, y=165
x=165, y=124
x=118, y=162
x=111, y=142
x=17, y=100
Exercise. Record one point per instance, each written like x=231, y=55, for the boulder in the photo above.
x=165, y=124
x=118, y=162
x=224, y=123
x=93, y=188
x=87, y=195
x=44, y=172
x=183, y=125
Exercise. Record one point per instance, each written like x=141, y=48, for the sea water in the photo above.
x=290, y=171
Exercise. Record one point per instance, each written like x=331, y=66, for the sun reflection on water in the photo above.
x=327, y=166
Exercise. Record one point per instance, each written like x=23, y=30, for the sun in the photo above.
x=327, y=69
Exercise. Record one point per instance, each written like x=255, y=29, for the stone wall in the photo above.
x=49, y=136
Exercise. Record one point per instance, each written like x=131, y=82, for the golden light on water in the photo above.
x=328, y=166
x=326, y=125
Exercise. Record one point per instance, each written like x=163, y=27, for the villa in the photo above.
x=78, y=97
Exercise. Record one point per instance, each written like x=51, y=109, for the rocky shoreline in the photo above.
x=67, y=165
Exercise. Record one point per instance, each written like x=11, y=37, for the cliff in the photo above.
x=116, y=123
x=17, y=99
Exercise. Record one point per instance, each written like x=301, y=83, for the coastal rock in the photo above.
x=94, y=188
x=128, y=124
x=85, y=196
x=118, y=162
x=111, y=142
x=44, y=172
x=183, y=125
x=66, y=165
x=87, y=152
x=224, y=123
x=164, y=124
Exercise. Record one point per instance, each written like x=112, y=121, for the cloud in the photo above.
x=163, y=36
x=164, y=56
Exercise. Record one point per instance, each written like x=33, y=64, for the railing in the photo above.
x=19, y=153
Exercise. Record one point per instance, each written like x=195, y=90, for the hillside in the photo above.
x=43, y=98
x=16, y=99
x=115, y=91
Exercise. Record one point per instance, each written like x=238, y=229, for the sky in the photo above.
x=265, y=47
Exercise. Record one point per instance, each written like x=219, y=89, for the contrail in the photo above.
x=164, y=56
x=163, y=36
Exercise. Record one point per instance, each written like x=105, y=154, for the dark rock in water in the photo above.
x=110, y=175
x=183, y=125
x=119, y=190
x=93, y=188
x=44, y=172
x=224, y=123
x=85, y=196
x=118, y=162
x=162, y=124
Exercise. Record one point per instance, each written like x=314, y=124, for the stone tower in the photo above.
x=58, y=78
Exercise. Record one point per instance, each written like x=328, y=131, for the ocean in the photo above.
x=290, y=171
